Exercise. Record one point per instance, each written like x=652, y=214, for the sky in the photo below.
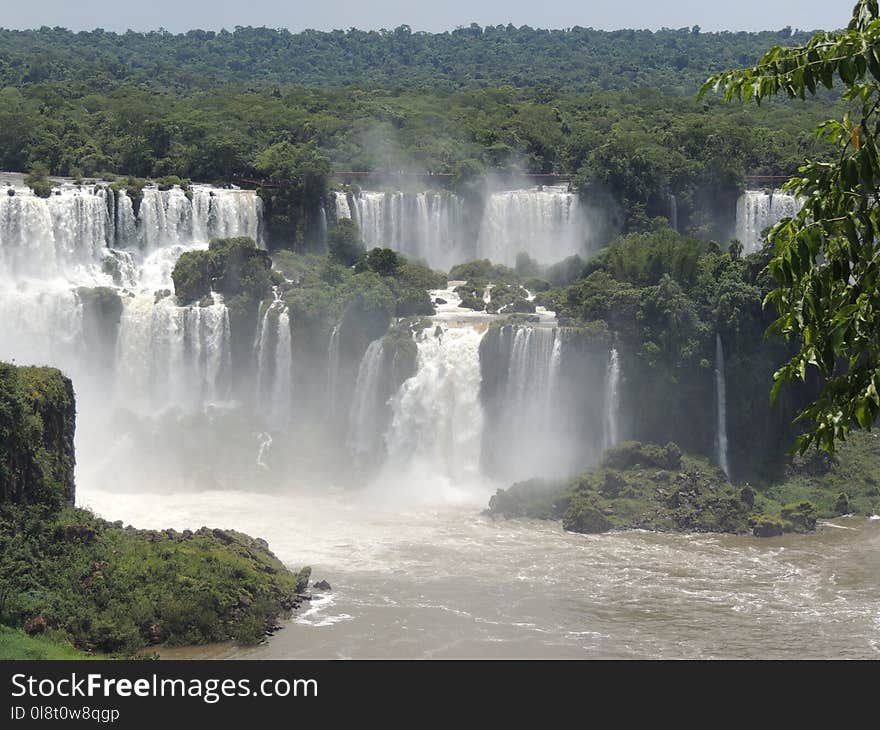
x=438, y=15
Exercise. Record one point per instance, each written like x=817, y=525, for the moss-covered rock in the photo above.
x=768, y=527
x=799, y=517
x=636, y=486
x=586, y=519
x=537, y=498
x=37, y=423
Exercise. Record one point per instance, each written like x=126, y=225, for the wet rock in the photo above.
x=322, y=585
x=768, y=527
x=841, y=506
x=438, y=300
x=801, y=517
x=585, y=519
x=747, y=496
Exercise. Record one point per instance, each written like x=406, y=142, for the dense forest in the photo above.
x=575, y=59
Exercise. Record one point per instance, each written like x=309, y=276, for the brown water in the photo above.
x=446, y=582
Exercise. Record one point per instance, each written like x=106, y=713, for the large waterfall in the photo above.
x=85, y=285
x=548, y=224
x=721, y=408
x=437, y=418
x=757, y=210
x=425, y=226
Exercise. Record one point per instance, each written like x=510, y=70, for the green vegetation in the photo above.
x=115, y=590
x=842, y=483
x=36, y=436
x=17, y=645
x=627, y=151
x=675, y=60
x=825, y=258
x=233, y=267
x=657, y=488
x=665, y=296
x=38, y=180
x=74, y=580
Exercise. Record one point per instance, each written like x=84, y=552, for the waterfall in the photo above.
x=426, y=225
x=274, y=363
x=757, y=210
x=673, y=211
x=437, y=418
x=169, y=355
x=364, y=436
x=548, y=224
x=55, y=236
x=721, y=408
x=612, y=400
x=524, y=435
x=155, y=354
x=332, y=370
x=343, y=210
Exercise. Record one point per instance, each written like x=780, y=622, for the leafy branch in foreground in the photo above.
x=825, y=258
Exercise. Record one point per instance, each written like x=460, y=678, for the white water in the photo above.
x=437, y=419
x=274, y=365
x=757, y=210
x=364, y=435
x=333, y=371
x=612, y=400
x=721, y=408
x=423, y=226
x=548, y=224
x=160, y=356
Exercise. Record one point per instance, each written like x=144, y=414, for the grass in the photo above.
x=17, y=645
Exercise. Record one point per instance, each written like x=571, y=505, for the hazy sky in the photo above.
x=180, y=15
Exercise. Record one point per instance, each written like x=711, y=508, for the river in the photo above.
x=422, y=580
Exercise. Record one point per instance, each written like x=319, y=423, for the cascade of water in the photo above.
x=437, y=417
x=426, y=225
x=343, y=210
x=757, y=210
x=673, y=211
x=721, y=408
x=169, y=355
x=62, y=235
x=547, y=224
x=274, y=363
x=612, y=400
x=265, y=439
x=363, y=434
x=126, y=233
x=332, y=370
